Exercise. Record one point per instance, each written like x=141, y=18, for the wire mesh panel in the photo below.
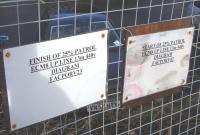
x=32, y=21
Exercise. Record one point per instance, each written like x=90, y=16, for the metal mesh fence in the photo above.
x=29, y=21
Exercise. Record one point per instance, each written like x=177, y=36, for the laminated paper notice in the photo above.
x=156, y=62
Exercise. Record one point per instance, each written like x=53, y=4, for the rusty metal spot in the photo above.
x=185, y=60
x=8, y=55
x=189, y=33
x=131, y=41
x=102, y=35
x=183, y=82
x=14, y=126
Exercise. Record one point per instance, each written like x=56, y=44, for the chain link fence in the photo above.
x=31, y=21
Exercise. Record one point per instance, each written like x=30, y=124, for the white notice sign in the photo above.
x=156, y=62
x=51, y=78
